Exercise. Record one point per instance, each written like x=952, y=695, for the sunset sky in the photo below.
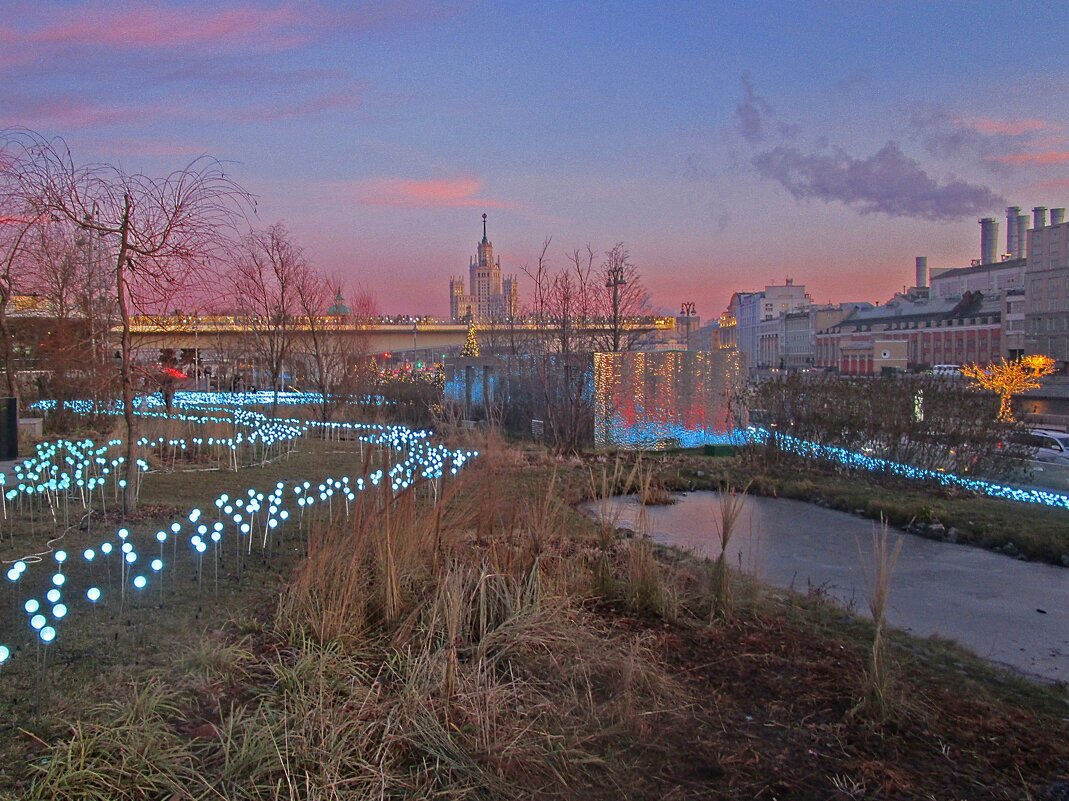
x=727, y=145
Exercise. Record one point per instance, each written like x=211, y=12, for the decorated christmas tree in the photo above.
x=471, y=347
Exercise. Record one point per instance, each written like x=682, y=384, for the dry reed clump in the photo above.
x=407, y=659
x=720, y=578
x=877, y=699
x=643, y=482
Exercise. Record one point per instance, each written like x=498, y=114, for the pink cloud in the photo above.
x=1043, y=159
x=458, y=192
x=1053, y=185
x=994, y=126
x=65, y=112
x=132, y=26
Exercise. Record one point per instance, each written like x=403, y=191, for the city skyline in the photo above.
x=726, y=148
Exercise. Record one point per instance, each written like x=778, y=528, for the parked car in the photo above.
x=1046, y=446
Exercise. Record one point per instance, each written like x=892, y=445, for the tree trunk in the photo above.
x=5, y=342
x=129, y=496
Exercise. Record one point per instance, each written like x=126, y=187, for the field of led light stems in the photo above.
x=474, y=635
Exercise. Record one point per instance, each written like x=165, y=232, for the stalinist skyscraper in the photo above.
x=491, y=297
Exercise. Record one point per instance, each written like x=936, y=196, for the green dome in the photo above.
x=339, y=309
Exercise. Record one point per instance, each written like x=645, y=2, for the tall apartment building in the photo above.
x=490, y=295
x=1047, y=286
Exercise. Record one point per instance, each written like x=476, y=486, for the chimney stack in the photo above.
x=1057, y=216
x=988, y=240
x=1039, y=217
x=922, y=271
x=1011, y=230
x=1022, y=236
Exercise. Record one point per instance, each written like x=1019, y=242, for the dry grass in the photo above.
x=731, y=506
x=421, y=651
x=877, y=699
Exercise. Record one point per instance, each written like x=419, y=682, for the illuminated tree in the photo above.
x=471, y=347
x=1009, y=378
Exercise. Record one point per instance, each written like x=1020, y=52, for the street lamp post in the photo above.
x=615, y=281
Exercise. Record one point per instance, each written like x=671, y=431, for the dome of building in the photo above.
x=339, y=309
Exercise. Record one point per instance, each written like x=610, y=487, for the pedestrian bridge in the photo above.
x=223, y=335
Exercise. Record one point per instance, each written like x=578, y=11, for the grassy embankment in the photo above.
x=501, y=645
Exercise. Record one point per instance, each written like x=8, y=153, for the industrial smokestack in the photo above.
x=1039, y=217
x=988, y=240
x=922, y=271
x=1011, y=230
x=1022, y=236
x=1057, y=216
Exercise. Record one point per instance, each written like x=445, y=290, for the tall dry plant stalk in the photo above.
x=876, y=701
x=602, y=489
x=731, y=506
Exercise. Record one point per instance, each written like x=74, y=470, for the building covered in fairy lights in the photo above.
x=667, y=399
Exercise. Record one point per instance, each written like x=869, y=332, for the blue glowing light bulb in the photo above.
x=161, y=536
x=123, y=533
x=61, y=556
x=93, y=594
x=48, y=634
x=5, y=653
x=105, y=548
x=59, y=611
x=176, y=527
x=140, y=582
x=31, y=606
x=157, y=565
x=58, y=579
x=37, y=622
x=53, y=595
x=131, y=557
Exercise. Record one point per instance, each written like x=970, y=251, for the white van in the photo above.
x=947, y=370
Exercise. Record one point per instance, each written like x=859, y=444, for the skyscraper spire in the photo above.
x=484, y=229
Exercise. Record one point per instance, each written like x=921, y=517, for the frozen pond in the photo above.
x=986, y=602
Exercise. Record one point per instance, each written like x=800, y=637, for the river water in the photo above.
x=1010, y=612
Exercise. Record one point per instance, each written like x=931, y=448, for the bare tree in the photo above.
x=19, y=219
x=337, y=348
x=160, y=234
x=624, y=297
x=267, y=281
